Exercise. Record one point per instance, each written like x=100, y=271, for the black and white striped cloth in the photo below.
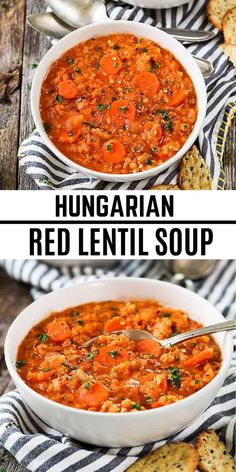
x=41, y=449
x=50, y=173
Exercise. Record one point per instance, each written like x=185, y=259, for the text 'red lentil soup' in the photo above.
x=116, y=374
x=118, y=104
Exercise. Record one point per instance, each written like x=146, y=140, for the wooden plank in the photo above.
x=35, y=47
x=14, y=297
x=229, y=160
x=12, y=15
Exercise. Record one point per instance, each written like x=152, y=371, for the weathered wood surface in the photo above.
x=22, y=47
x=14, y=297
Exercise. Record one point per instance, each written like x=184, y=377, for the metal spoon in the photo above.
x=49, y=24
x=139, y=335
x=78, y=13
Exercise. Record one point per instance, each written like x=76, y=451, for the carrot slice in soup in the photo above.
x=92, y=394
x=147, y=83
x=178, y=99
x=58, y=331
x=149, y=346
x=110, y=64
x=122, y=111
x=111, y=355
x=113, y=151
x=115, y=324
x=153, y=130
x=67, y=89
x=203, y=356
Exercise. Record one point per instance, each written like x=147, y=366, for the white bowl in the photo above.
x=157, y=4
x=118, y=429
x=103, y=29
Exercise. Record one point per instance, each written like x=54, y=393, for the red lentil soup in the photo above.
x=116, y=374
x=118, y=104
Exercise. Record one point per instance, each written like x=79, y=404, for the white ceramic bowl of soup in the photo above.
x=116, y=27
x=118, y=429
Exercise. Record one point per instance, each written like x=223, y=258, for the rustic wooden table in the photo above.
x=21, y=50
x=14, y=297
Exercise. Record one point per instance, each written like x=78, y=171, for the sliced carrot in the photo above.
x=115, y=324
x=121, y=112
x=58, y=331
x=113, y=151
x=203, y=356
x=149, y=346
x=178, y=99
x=92, y=394
x=147, y=83
x=111, y=355
x=110, y=64
x=154, y=130
x=71, y=127
x=67, y=89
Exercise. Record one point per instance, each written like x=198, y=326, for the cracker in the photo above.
x=213, y=456
x=216, y=10
x=194, y=174
x=165, y=187
x=230, y=51
x=173, y=457
x=229, y=26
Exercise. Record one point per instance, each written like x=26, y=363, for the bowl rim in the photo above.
x=93, y=29
x=226, y=356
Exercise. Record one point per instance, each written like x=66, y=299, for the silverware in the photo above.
x=49, y=24
x=139, y=335
x=78, y=13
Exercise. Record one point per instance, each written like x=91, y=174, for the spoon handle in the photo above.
x=189, y=36
x=216, y=328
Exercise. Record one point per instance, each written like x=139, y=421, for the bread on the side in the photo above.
x=194, y=174
x=229, y=26
x=173, y=457
x=216, y=10
x=213, y=456
x=165, y=187
x=230, y=51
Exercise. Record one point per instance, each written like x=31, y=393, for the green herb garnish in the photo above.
x=164, y=114
x=103, y=106
x=116, y=47
x=47, y=127
x=69, y=60
x=87, y=385
x=123, y=109
x=153, y=66
x=175, y=377
x=80, y=322
x=59, y=98
x=43, y=338
x=135, y=406
x=69, y=366
x=113, y=354
x=20, y=364
x=169, y=126
x=78, y=70
x=75, y=313
x=166, y=315
x=108, y=147
x=33, y=66
x=91, y=355
x=148, y=161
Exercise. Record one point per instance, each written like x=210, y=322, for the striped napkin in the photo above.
x=49, y=172
x=42, y=449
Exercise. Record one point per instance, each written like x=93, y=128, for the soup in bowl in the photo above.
x=120, y=101
x=116, y=392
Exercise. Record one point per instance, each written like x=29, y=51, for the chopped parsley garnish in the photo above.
x=75, y=313
x=123, y=109
x=43, y=337
x=116, y=65
x=69, y=366
x=69, y=60
x=169, y=126
x=80, y=322
x=116, y=47
x=148, y=399
x=108, y=147
x=97, y=66
x=153, y=66
x=154, y=149
x=91, y=125
x=47, y=127
x=103, y=106
x=113, y=354
x=78, y=70
x=33, y=66
x=166, y=315
x=164, y=114
x=91, y=355
x=148, y=161
x=175, y=377
x=20, y=364
x=135, y=406
x=46, y=370
x=59, y=98
x=196, y=382
x=144, y=50
x=87, y=385
x=71, y=134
